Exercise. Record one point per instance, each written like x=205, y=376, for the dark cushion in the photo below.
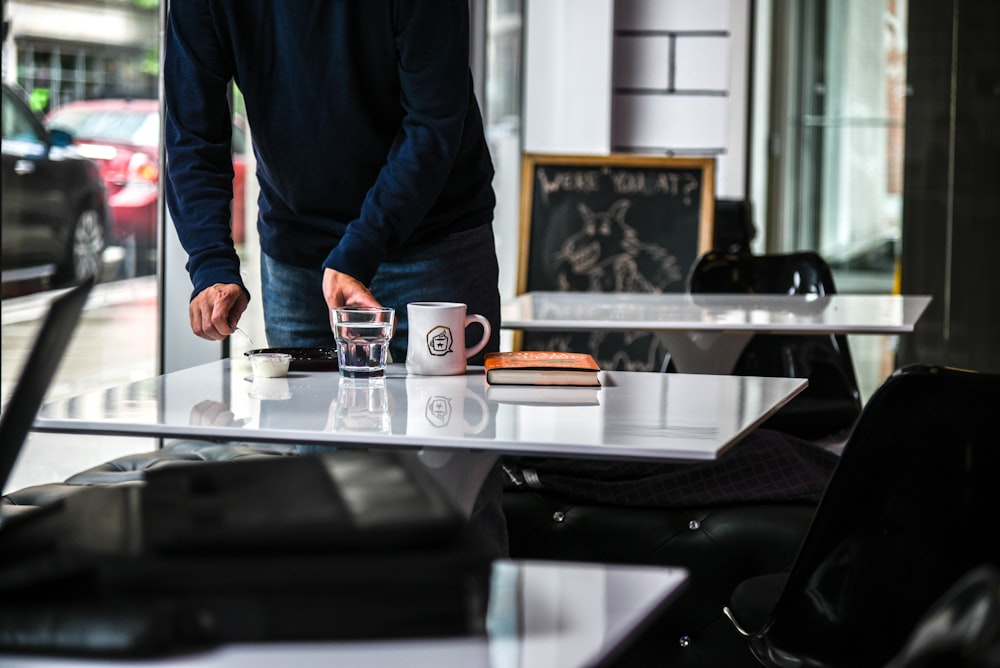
x=131, y=469
x=720, y=546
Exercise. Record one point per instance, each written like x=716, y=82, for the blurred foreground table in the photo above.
x=540, y=615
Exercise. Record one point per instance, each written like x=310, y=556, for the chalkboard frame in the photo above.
x=642, y=351
x=531, y=161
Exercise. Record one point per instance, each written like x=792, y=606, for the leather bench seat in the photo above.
x=720, y=546
x=743, y=514
x=130, y=469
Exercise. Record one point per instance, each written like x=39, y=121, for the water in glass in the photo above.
x=362, y=341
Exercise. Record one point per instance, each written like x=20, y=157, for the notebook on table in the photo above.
x=347, y=544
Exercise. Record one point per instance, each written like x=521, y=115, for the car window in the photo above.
x=142, y=128
x=16, y=121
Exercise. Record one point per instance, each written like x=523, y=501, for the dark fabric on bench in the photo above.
x=765, y=466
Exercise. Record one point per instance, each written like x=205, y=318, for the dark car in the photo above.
x=55, y=215
x=123, y=137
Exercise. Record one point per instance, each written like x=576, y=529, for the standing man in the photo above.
x=375, y=176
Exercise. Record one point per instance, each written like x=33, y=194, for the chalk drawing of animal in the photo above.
x=607, y=255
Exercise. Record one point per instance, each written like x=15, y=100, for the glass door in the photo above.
x=844, y=129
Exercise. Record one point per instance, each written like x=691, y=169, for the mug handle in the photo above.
x=487, y=330
x=484, y=410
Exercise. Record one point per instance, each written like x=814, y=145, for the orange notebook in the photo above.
x=541, y=367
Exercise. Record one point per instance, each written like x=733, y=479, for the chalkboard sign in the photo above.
x=612, y=223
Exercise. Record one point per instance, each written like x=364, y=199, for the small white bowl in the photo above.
x=270, y=365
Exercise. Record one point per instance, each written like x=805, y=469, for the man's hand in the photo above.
x=342, y=290
x=215, y=310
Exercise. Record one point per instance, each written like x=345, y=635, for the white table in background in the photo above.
x=705, y=333
x=540, y=615
x=652, y=416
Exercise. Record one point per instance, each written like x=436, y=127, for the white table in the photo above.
x=651, y=416
x=540, y=615
x=705, y=333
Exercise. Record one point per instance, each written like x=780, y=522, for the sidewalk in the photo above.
x=115, y=343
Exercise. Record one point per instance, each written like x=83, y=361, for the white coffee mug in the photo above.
x=436, y=340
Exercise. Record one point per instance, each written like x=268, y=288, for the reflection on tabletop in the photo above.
x=362, y=405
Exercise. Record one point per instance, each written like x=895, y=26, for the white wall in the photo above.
x=759, y=140
x=576, y=68
x=567, y=76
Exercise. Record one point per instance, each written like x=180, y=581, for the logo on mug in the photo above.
x=439, y=341
x=438, y=411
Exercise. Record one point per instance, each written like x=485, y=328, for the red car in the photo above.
x=123, y=137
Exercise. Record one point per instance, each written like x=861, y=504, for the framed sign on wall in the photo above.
x=612, y=223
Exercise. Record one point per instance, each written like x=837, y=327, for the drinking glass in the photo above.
x=362, y=334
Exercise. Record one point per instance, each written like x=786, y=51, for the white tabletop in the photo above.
x=654, y=416
x=540, y=615
x=795, y=314
x=706, y=333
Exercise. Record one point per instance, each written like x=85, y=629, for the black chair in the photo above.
x=733, y=230
x=961, y=630
x=911, y=507
x=832, y=403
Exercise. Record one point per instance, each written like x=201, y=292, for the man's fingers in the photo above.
x=339, y=289
x=215, y=311
x=201, y=322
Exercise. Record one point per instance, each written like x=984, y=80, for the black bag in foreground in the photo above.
x=350, y=544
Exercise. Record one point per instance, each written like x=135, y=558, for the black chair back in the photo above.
x=799, y=273
x=911, y=507
x=832, y=402
x=733, y=230
x=961, y=630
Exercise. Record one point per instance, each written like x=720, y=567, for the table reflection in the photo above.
x=362, y=406
x=446, y=406
x=270, y=389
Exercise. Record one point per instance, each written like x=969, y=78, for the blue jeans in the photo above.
x=462, y=267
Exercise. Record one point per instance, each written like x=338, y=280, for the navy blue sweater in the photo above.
x=364, y=122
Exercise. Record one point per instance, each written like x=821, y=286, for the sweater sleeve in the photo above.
x=432, y=41
x=197, y=137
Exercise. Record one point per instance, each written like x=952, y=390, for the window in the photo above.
x=61, y=52
x=843, y=126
